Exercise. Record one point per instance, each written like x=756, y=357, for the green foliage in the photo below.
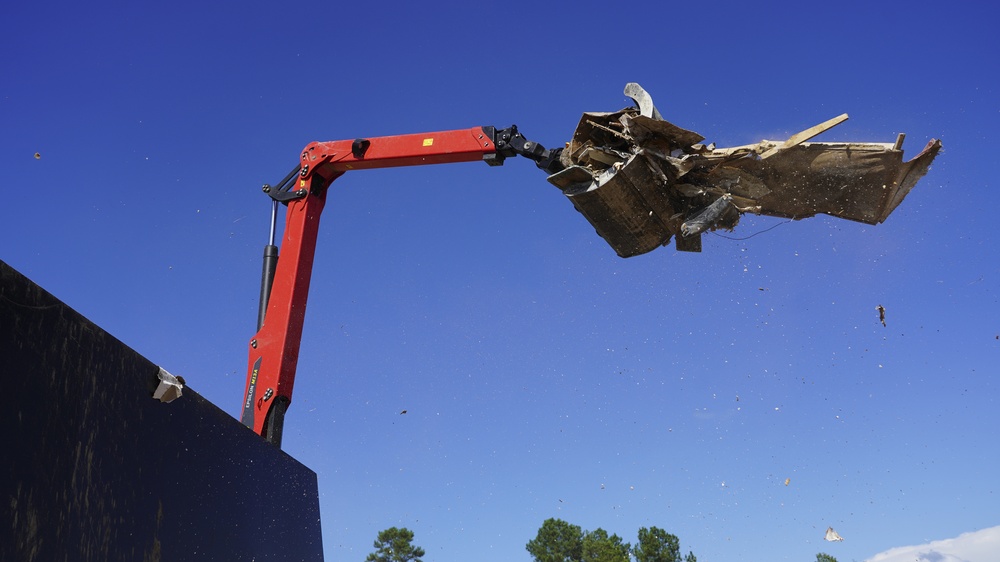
x=599, y=547
x=557, y=541
x=823, y=557
x=395, y=545
x=657, y=545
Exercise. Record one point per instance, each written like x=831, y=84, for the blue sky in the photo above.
x=542, y=375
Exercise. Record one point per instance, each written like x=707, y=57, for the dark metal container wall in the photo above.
x=96, y=469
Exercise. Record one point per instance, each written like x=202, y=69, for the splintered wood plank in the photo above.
x=807, y=134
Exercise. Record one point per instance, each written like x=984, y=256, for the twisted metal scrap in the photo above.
x=641, y=180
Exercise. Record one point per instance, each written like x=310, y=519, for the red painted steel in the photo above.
x=274, y=349
x=442, y=147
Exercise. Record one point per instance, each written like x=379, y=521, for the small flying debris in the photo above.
x=38, y=156
x=881, y=314
x=402, y=412
x=788, y=481
x=832, y=535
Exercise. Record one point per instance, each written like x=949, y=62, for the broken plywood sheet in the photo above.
x=642, y=181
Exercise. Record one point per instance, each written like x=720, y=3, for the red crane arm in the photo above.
x=274, y=349
x=443, y=147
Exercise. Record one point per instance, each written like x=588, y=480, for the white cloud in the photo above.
x=978, y=546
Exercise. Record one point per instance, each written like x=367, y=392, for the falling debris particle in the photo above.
x=402, y=412
x=602, y=486
x=832, y=535
x=788, y=481
x=737, y=397
x=38, y=156
x=881, y=314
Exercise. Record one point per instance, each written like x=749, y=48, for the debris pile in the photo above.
x=641, y=180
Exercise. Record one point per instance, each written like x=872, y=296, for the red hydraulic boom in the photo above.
x=274, y=349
